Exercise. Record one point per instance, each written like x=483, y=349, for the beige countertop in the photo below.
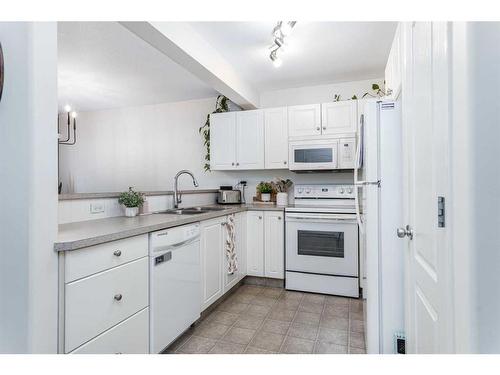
x=81, y=234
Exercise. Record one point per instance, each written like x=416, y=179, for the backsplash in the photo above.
x=74, y=210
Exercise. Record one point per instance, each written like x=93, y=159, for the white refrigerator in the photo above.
x=379, y=200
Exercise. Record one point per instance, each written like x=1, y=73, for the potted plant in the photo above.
x=281, y=187
x=265, y=189
x=132, y=200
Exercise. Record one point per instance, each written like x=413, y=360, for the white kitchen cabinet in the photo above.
x=128, y=337
x=98, y=302
x=240, y=248
x=276, y=138
x=250, y=139
x=393, y=69
x=255, y=243
x=304, y=120
x=211, y=246
x=339, y=117
x=274, y=254
x=237, y=140
x=223, y=141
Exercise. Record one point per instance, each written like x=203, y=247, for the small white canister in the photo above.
x=282, y=199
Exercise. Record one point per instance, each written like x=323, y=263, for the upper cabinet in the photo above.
x=223, y=141
x=237, y=140
x=304, y=120
x=276, y=138
x=339, y=117
x=393, y=69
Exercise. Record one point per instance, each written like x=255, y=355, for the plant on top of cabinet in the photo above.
x=221, y=105
x=265, y=189
x=131, y=200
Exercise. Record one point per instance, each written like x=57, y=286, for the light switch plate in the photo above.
x=97, y=208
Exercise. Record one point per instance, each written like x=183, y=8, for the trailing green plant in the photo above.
x=265, y=187
x=377, y=93
x=221, y=105
x=131, y=198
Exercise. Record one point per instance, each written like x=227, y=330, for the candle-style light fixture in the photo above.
x=280, y=32
x=71, y=115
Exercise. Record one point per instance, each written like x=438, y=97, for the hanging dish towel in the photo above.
x=232, y=260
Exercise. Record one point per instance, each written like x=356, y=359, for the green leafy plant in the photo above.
x=221, y=105
x=377, y=93
x=281, y=186
x=131, y=198
x=265, y=187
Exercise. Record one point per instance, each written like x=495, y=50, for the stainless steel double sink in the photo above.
x=189, y=210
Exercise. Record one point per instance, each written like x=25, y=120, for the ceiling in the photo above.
x=318, y=52
x=102, y=65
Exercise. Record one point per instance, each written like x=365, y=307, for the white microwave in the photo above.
x=322, y=154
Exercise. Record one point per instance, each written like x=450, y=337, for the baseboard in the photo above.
x=264, y=281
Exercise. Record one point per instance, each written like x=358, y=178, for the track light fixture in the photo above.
x=280, y=32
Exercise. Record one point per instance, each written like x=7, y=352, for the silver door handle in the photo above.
x=405, y=232
x=363, y=183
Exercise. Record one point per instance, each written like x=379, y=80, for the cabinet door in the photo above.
x=304, y=120
x=211, y=243
x=230, y=280
x=393, y=68
x=276, y=138
x=339, y=117
x=250, y=140
x=223, y=141
x=274, y=249
x=255, y=243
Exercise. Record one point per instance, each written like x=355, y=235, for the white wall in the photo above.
x=317, y=94
x=28, y=211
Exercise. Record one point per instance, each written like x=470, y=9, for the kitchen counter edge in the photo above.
x=142, y=227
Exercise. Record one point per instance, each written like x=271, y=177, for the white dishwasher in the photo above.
x=174, y=283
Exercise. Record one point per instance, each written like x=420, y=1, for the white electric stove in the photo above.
x=322, y=241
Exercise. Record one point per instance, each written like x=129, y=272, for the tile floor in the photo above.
x=264, y=320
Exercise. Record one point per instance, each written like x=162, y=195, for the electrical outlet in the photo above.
x=97, y=208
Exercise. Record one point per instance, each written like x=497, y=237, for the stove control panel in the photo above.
x=324, y=191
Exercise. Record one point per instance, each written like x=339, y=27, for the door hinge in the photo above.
x=441, y=212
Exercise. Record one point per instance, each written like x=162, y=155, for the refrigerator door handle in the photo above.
x=364, y=183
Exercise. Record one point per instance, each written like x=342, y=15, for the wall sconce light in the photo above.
x=71, y=115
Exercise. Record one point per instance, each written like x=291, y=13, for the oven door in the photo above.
x=325, y=244
x=313, y=155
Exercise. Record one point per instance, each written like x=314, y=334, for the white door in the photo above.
x=339, y=117
x=223, y=141
x=276, y=138
x=250, y=139
x=211, y=247
x=304, y=120
x=255, y=243
x=425, y=133
x=274, y=249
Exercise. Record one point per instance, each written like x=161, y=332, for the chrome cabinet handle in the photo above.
x=324, y=127
x=237, y=164
x=232, y=164
x=318, y=128
x=260, y=217
x=118, y=297
x=117, y=253
x=284, y=162
x=279, y=217
x=405, y=232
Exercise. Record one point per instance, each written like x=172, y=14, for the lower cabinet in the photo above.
x=128, y=337
x=215, y=278
x=265, y=244
x=211, y=248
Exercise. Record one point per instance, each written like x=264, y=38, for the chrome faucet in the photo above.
x=177, y=196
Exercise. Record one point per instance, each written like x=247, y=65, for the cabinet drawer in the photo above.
x=129, y=337
x=93, y=304
x=84, y=262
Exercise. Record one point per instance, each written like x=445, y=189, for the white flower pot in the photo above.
x=282, y=199
x=266, y=197
x=131, y=211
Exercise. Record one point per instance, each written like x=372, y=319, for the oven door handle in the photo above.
x=316, y=217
